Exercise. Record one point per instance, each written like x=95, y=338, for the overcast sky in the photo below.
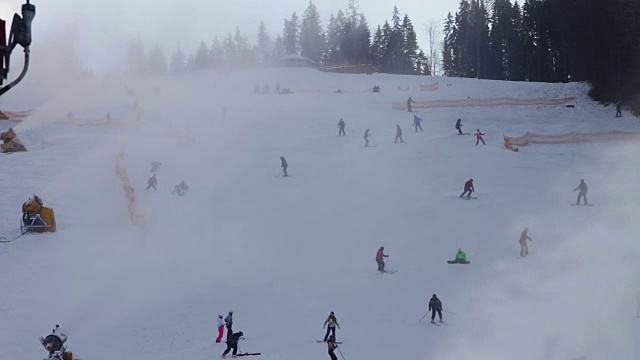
x=100, y=28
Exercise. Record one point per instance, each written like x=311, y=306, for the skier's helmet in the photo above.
x=434, y=296
x=381, y=247
x=240, y=333
x=220, y=316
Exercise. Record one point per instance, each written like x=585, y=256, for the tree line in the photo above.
x=346, y=40
x=548, y=41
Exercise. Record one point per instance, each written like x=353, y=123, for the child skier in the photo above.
x=435, y=305
x=232, y=343
x=416, y=123
x=332, y=346
x=152, y=183
x=380, y=259
x=479, y=137
x=341, y=125
x=284, y=165
x=524, y=247
x=220, y=328
x=398, y=134
x=331, y=324
x=468, y=188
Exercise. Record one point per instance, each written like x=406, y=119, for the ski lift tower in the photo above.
x=20, y=34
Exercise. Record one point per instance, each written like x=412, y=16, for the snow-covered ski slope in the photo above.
x=284, y=252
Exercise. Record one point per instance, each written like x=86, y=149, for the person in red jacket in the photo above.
x=479, y=138
x=468, y=188
x=380, y=259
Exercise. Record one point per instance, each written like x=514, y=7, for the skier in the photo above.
x=435, y=305
x=177, y=190
x=409, y=102
x=155, y=166
x=228, y=322
x=583, y=192
x=277, y=88
x=284, y=165
x=398, y=134
x=152, y=183
x=416, y=123
x=618, y=110
x=332, y=346
x=524, y=247
x=459, y=126
x=232, y=343
x=331, y=324
x=341, y=125
x=380, y=259
x=220, y=328
x=461, y=257
x=366, y=138
x=183, y=186
x=479, y=137
x=468, y=188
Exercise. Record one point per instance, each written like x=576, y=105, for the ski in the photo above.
x=436, y=324
x=456, y=262
x=581, y=204
x=388, y=271
x=442, y=322
x=469, y=198
x=322, y=341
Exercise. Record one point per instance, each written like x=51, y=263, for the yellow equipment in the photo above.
x=11, y=142
x=37, y=218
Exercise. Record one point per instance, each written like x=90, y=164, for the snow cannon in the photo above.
x=37, y=218
x=11, y=143
x=55, y=345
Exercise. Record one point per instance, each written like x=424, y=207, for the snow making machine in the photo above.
x=11, y=143
x=55, y=345
x=37, y=218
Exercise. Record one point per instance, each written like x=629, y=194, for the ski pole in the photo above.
x=340, y=351
x=422, y=318
x=449, y=312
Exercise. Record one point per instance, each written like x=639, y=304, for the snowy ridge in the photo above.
x=284, y=252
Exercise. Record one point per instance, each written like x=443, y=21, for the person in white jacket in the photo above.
x=220, y=328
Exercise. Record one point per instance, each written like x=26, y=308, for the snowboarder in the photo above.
x=366, y=138
x=228, y=322
x=416, y=123
x=409, y=102
x=435, y=305
x=155, y=166
x=380, y=259
x=232, y=343
x=618, y=110
x=152, y=183
x=341, y=125
x=461, y=257
x=459, y=127
x=332, y=346
x=284, y=165
x=468, y=188
x=524, y=247
x=331, y=324
x=479, y=137
x=398, y=134
x=583, y=192
x=220, y=328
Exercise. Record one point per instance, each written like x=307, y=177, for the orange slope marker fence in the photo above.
x=472, y=102
x=14, y=116
x=430, y=87
x=510, y=142
x=129, y=191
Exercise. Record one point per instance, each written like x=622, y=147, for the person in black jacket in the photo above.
x=232, y=343
x=228, y=322
x=341, y=125
x=435, y=305
x=459, y=127
x=331, y=344
x=284, y=166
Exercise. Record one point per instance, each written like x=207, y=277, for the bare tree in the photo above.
x=434, y=33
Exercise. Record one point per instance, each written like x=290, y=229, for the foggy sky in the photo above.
x=101, y=28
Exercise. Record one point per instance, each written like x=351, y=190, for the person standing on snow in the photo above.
x=232, y=343
x=583, y=192
x=479, y=137
x=152, y=183
x=341, y=126
x=228, y=322
x=366, y=138
x=618, y=110
x=459, y=127
x=284, y=165
x=409, y=102
x=380, y=259
x=435, y=305
x=331, y=324
x=220, y=328
x=416, y=123
x=398, y=134
x=524, y=247
x=331, y=344
x=468, y=188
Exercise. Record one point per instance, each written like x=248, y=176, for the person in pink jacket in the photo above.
x=220, y=328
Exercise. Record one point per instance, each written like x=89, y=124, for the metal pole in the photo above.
x=340, y=351
x=423, y=317
x=22, y=74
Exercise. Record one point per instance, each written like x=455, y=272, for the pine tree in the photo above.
x=448, y=49
x=216, y=54
x=263, y=49
x=135, y=58
x=278, y=48
x=177, y=61
x=290, y=34
x=201, y=59
x=311, y=35
x=410, y=48
x=156, y=61
x=377, y=48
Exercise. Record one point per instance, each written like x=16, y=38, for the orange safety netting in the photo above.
x=431, y=87
x=129, y=191
x=568, y=138
x=471, y=102
x=15, y=116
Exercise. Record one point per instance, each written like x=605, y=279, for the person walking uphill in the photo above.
x=468, y=188
x=220, y=329
x=398, y=134
x=284, y=165
x=380, y=259
x=152, y=183
x=409, y=102
x=583, y=192
x=435, y=306
x=416, y=123
x=232, y=344
x=228, y=322
x=459, y=127
x=332, y=346
x=479, y=137
x=331, y=324
x=524, y=247
x=341, y=125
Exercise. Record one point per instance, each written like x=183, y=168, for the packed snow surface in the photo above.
x=284, y=252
